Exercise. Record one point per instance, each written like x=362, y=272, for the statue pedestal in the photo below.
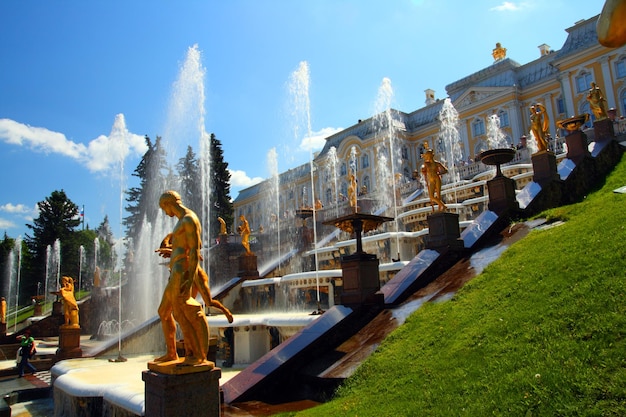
x=443, y=231
x=603, y=129
x=69, y=343
x=577, y=147
x=502, y=194
x=544, y=167
x=360, y=280
x=3, y=329
x=248, y=267
x=38, y=310
x=193, y=394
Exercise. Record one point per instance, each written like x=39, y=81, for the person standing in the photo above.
x=27, y=350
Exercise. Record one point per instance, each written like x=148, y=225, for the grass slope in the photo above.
x=541, y=332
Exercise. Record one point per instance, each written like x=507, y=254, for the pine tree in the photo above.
x=220, y=188
x=143, y=200
x=58, y=219
x=189, y=174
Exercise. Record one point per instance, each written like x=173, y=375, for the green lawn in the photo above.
x=541, y=332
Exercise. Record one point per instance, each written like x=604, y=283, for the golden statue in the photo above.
x=96, y=277
x=499, y=53
x=182, y=246
x=611, y=25
x=244, y=231
x=352, y=193
x=540, y=125
x=70, y=306
x=432, y=171
x=223, y=230
x=3, y=310
x=597, y=102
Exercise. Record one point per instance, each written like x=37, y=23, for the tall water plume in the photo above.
x=450, y=139
x=299, y=88
x=495, y=136
x=184, y=125
x=389, y=158
x=333, y=166
x=272, y=208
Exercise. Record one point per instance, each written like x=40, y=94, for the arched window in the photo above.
x=583, y=82
x=344, y=190
x=504, y=118
x=365, y=160
x=405, y=153
x=620, y=68
x=344, y=169
x=366, y=184
x=478, y=127
x=329, y=196
x=622, y=102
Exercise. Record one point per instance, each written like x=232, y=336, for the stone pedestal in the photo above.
x=3, y=329
x=577, y=147
x=603, y=129
x=502, y=195
x=360, y=279
x=189, y=395
x=443, y=231
x=248, y=267
x=38, y=310
x=69, y=343
x=544, y=167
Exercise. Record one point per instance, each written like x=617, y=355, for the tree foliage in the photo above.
x=220, y=188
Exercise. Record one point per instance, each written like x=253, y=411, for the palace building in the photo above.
x=385, y=152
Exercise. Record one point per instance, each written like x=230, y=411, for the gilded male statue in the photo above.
x=432, y=171
x=182, y=246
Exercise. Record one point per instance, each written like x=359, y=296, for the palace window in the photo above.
x=365, y=160
x=583, y=82
x=504, y=118
x=478, y=127
x=405, y=153
x=344, y=169
x=620, y=68
x=622, y=100
x=560, y=105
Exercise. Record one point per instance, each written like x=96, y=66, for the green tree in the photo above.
x=222, y=205
x=151, y=173
x=58, y=218
x=190, y=183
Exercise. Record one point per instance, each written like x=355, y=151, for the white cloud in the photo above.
x=240, y=179
x=15, y=209
x=99, y=155
x=317, y=140
x=6, y=224
x=508, y=6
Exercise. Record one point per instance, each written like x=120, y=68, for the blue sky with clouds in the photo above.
x=73, y=72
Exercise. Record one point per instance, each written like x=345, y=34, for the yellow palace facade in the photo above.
x=384, y=152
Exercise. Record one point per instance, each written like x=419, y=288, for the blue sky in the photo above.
x=69, y=68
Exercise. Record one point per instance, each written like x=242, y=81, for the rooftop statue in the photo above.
x=597, y=102
x=540, y=125
x=432, y=171
x=70, y=306
x=182, y=247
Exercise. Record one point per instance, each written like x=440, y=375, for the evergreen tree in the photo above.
x=142, y=200
x=58, y=219
x=220, y=188
x=190, y=183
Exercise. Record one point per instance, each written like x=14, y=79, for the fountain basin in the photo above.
x=497, y=156
x=572, y=124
